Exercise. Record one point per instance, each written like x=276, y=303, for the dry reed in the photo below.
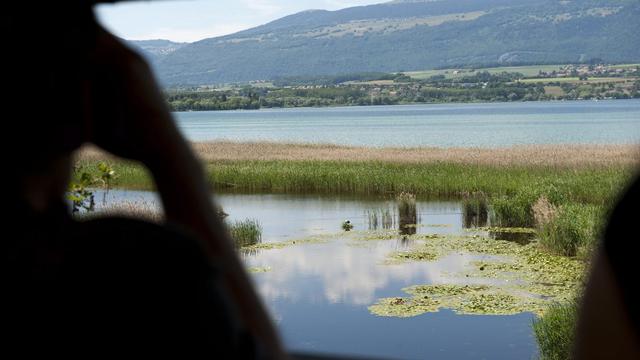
x=529, y=155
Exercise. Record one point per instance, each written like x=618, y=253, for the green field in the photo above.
x=527, y=71
x=576, y=80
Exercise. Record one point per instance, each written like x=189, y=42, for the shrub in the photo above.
x=543, y=212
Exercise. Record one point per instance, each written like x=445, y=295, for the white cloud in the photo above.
x=264, y=7
x=191, y=34
x=199, y=19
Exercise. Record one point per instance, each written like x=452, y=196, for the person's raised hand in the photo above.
x=127, y=112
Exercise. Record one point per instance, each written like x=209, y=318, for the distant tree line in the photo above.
x=479, y=86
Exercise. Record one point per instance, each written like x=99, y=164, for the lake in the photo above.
x=438, y=125
x=318, y=293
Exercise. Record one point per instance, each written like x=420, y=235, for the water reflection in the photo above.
x=342, y=272
x=475, y=211
x=404, y=216
x=407, y=214
x=284, y=217
x=380, y=219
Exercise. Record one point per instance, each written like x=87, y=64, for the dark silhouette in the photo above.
x=609, y=319
x=111, y=286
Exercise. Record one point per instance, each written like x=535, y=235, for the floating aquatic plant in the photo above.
x=529, y=279
x=463, y=299
x=259, y=269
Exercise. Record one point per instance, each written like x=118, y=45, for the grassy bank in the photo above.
x=593, y=185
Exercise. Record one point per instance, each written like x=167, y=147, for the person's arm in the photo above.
x=136, y=124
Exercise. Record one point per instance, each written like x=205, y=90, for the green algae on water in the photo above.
x=415, y=254
x=513, y=230
x=463, y=299
x=444, y=290
x=529, y=279
x=404, y=307
x=318, y=239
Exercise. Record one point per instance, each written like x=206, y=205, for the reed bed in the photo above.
x=140, y=210
x=530, y=155
x=585, y=173
x=588, y=185
x=538, y=155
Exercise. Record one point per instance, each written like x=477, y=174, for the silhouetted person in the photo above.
x=110, y=286
x=609, y=319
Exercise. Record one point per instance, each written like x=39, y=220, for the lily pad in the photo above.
x=529, y=279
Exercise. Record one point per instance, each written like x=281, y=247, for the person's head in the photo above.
x=44, y=93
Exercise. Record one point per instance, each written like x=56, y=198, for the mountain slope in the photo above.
x=155, y=50
x=413, y=35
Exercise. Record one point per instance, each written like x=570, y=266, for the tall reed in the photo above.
x=555, y=331
x=245, y=232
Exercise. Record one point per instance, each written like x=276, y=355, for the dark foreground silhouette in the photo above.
x=111, y=286
x=609, y=319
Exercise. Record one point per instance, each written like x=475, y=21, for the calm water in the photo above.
x=441, y=125
x=318, y=293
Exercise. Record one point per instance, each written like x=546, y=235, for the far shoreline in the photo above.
x=338, y=106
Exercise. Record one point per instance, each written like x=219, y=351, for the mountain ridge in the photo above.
x=410, y=35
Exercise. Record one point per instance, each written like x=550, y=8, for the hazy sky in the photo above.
x=191, y=20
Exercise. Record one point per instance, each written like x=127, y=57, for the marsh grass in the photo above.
x=514, y=211
x=574, y=230
x=521, y=208
x=587, y=185
x=245, y=233
x=140, y=210
x=555, y=331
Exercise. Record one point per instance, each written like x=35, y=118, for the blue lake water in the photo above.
x=439, y=125
x=318, y=293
